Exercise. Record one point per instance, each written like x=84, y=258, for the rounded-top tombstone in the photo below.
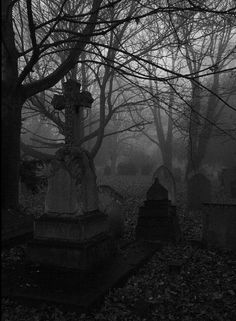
x=157, y=192
x=157, y=220
x=167, y=180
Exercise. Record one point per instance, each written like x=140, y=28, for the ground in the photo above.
x=181, y=282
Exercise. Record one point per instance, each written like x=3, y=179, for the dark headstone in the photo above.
x=219, y=225
x=166, y=179
x=157, y=219
x=157, y=192
x=199, y=191
x=228, y=180
x=233, y=189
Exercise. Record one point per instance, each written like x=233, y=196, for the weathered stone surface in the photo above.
x=115, y=212
x=228, y=181
x=166, y=179
x=157, y=192
x=16, y=227
x=73, y=233
x=61, y=194
x=81, y=256
x=159, y=223
x=70, y=227
x=233, y=189
x=157, y=219
x=199, y=191
x=71, y=241
x=89, y=190
x=219, y=225
x=74, y=290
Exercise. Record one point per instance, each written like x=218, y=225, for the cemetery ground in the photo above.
x=182, y=282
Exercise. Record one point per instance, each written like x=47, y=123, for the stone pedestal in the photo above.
x=79, y=242
x=157, y=221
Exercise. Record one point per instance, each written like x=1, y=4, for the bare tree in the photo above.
x=44, y=34
x=206, y=46
x=15, y=71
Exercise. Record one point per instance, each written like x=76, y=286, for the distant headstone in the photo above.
x=157, y=192
x=219, y=225
x=233, y=189
x=157, y=219
x=228, y=180
x=199, y=191
x=167, y=180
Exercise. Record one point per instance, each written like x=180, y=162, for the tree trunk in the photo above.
x=113, y=159
x=13, y=100
x=10, y=158
x=166, y=152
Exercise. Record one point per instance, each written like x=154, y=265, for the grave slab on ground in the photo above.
x=71, y=290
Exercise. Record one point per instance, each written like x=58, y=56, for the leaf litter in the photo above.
x=181, y=282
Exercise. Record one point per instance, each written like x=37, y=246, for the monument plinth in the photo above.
x=157, y=220
x=72, y=233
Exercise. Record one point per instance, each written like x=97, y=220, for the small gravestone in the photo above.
x=157, y=192
x=199, y=191
x=157, y=219
x=219, y=225
x=167, y=180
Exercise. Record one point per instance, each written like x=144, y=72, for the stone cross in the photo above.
x=72, y=100
x=73, y=160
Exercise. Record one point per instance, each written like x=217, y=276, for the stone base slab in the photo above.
x=219, y=225
x=158, y=224
x=76, y=228
x=61, y=254
x=86, y=294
